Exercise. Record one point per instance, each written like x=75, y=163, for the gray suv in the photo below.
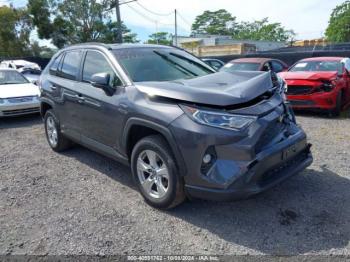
x=184, y=129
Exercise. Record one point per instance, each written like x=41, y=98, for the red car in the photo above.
x=319, y=83
x=255, y=64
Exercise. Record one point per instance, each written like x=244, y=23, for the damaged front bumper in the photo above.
x=245, y=162
x=266, y=173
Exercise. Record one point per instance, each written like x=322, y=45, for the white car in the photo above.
x=17, y=95
x=17, y=64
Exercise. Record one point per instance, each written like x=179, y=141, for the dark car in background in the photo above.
x=184, y=129
x=255, y=64
x=214, y=63
x=31, y=74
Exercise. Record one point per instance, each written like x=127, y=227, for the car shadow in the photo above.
x=20, y=121
x=319, y=114
x=308, y=213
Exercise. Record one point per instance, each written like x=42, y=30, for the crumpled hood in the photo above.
x=308, y=75
x=220, y=89
x=18, y=90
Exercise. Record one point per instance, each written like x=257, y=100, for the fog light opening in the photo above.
x=207, y=158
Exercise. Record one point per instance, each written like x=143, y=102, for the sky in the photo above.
x=308, y=18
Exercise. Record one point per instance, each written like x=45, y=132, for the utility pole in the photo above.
x=119, y=22
x=119, y=19
x=175, y=27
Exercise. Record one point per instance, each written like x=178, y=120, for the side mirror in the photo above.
x=101, y=80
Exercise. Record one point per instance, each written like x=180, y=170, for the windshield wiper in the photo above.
x=191, y=61
x=182, y=68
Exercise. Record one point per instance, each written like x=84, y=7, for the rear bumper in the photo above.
x=322, y=100
x=258, y=178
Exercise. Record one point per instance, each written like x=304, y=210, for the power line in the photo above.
x=183, y=19
x=152, y=12
x=141, y=14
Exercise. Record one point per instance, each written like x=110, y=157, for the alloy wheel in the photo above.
x=52, y=133
x=153, y=174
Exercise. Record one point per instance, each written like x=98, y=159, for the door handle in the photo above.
x=53, y=87
x=80, y=98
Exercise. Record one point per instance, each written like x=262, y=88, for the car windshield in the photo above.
x=160, y=64
x=12, y=77
x=315, y=66
x=240, y=66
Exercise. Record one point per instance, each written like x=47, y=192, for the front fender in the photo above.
x=160, y=129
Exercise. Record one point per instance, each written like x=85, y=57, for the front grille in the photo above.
x=20, y=111
x=302, y=102
x=20, y=99
x=298, y=90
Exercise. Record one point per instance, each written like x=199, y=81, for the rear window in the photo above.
x=240, y=66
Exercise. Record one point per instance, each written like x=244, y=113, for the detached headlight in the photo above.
x=217, y=119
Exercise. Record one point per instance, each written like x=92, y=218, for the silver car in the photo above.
x=18, y=96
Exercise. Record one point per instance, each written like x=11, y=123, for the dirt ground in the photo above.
x=82, y=203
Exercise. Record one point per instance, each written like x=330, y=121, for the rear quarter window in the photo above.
x=54, y=65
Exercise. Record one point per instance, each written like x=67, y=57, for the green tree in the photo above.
x=15, y=28
x=75, y=21
x=338, y=29
x=219, y=22
x=161, y=38
x=109, y=35
x=263, y=30
x=35, y=49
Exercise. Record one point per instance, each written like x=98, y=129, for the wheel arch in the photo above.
x=45, y=105
x=136, y=129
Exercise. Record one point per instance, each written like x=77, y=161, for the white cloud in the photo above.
x=308, y=18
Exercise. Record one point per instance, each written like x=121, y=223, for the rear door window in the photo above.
x=70, y=65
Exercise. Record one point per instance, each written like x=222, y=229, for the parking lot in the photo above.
x=82, y=203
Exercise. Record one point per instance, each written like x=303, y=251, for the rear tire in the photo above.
x=155, y=173
x=54, y=137
x=337, y=110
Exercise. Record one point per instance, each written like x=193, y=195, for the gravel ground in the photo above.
x=82, y=203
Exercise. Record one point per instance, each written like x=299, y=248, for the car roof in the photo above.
x=115, y=46
x=259, y=60
x=323, y=58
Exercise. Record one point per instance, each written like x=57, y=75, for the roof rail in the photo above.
x=91, y=43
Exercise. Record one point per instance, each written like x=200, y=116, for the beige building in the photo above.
x=214, y=45
x=312, y=42
x=217, y=50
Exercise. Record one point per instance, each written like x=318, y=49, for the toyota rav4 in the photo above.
x=184, y=129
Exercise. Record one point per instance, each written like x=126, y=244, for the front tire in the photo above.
x=54, y=136
x=155, y=173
